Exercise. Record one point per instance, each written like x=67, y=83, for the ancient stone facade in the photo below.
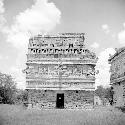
x=60, y=71
x=117, y=77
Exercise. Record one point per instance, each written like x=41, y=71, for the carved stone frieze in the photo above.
x=59, y=47
x=59, y=58
x=117, y=68
x=48, y=71
x=64, y=85
x=60, y=63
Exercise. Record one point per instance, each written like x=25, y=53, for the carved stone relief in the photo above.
x=50, y=48
x=37, y=71
x=117, y=68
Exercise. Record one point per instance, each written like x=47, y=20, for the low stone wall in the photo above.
x=73, y=99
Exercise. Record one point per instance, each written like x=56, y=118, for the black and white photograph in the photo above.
x=62, y=62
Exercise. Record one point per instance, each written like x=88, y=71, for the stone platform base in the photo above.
x=73, y=99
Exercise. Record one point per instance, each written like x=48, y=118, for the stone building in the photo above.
x=60, y=71
x=117, y=78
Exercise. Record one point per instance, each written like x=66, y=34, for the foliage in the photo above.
x=100, y=91
x=21, y=96
x=104, y=93
x=7, y=88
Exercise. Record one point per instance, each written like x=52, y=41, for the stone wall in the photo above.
x=117, y=67
x=46, y=99
x=78, y=99
x=119, y=94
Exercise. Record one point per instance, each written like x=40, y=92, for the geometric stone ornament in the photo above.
x=58, y=65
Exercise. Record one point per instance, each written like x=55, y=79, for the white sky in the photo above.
x=103, y=22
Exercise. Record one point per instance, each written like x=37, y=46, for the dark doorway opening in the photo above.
x=60, y=100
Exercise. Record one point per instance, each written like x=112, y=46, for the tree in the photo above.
x=7, y=88
x=105, y=93
x=109, y=94
x=21, y=96
x=100, y=91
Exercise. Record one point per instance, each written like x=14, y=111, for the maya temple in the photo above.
x=60, y=71
x=117, y=78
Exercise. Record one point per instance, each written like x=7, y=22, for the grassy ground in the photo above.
x=16, y=115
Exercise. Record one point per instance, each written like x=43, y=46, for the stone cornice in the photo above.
x=60, y=35
x=62, y=80
x=118, y=53
x=63, y=88
x=117, y=80
x=65, y=61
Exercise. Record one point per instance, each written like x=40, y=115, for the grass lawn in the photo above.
x=16, y=115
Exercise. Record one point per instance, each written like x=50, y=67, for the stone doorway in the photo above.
x=60, y=100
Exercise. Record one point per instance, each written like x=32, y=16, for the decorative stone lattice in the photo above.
x=60, y=64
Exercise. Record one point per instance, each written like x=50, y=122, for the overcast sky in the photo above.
x=102, y=21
